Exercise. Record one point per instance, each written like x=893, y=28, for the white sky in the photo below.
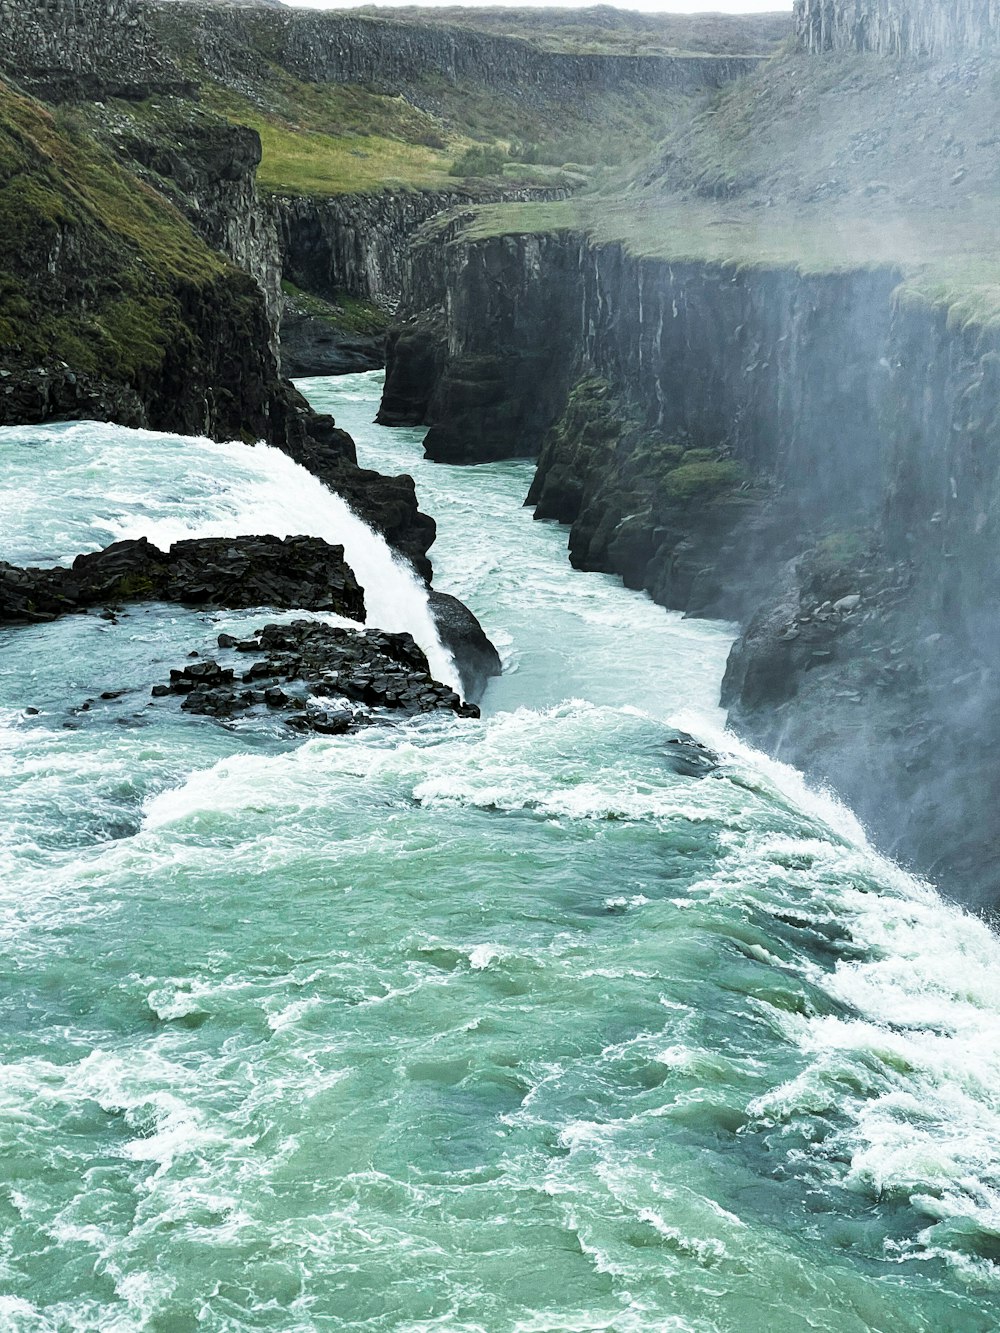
x=646, y=6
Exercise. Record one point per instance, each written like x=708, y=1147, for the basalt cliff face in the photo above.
x=357, y=245
x=815, y=456
x=898, y=27
x=394, y=56
x=86, y=48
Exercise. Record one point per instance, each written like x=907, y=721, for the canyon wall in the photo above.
x=85, y=48
x=817, y=456
x=898, y=27
x=391, y=55
x=74, y=48
x=383, y=53
x=356, y=244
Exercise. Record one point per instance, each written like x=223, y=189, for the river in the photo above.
x=503, y=1026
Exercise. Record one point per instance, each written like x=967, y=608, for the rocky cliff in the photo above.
x=356, y=244
x=817, y=456
x=393, y=56
x=73, y=48
x=898, y=27
x=85, y=48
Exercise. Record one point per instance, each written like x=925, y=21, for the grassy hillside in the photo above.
x=340, y=139
x=331, y=138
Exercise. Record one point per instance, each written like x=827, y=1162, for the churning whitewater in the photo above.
x=500, y=1026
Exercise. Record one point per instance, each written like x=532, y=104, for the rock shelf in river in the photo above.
x=235, y=572
x=339, y=676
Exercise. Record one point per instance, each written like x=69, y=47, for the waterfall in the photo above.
x=116, y=483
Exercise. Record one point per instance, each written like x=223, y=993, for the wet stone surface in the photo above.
x=205, y=571
x=320, y=678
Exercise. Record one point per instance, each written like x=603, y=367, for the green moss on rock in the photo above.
x=700, y=480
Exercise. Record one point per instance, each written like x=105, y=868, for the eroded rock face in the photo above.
x=207, y=571
x=491, y=378
x=356, y=244
x=315, y=346
x=209, y=170
x=317, y=678
x=86, y=48
x=872, y=696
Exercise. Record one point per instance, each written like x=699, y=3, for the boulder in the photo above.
x=464, y=637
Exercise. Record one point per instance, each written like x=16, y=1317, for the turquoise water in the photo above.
x=496, y=1026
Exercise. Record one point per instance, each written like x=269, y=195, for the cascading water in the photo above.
x=479, y=1027
x=107, y=483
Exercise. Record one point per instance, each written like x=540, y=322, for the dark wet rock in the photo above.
x=234, y=572
x=464, y=637
x=324, y=679
x=414, y=358
x=874, y=702
x=314, y=346
x=689, y=758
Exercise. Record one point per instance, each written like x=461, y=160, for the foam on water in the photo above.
x=204, y=489
x=498, y=1026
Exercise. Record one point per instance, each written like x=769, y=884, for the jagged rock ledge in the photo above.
x=343, y=678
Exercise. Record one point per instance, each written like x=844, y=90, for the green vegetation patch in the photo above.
x=332, y=139
x=347, y=312
x=701, y=480
x=479, y=160
x=342, y=139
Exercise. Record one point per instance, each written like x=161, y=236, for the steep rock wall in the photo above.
x=895, y=701
x=898, y=27
x=390, y=55
x=344, y=48
x=801, y=363
x=85, y=48
x=209, y=170
x=817, y=456
x=356, y=244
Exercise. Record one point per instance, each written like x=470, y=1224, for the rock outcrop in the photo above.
x=461, y=633
x=116, y=309
x=356, y=244
x=86, y=49
x=329, y=344
x=316, y=677
x=208, y=168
